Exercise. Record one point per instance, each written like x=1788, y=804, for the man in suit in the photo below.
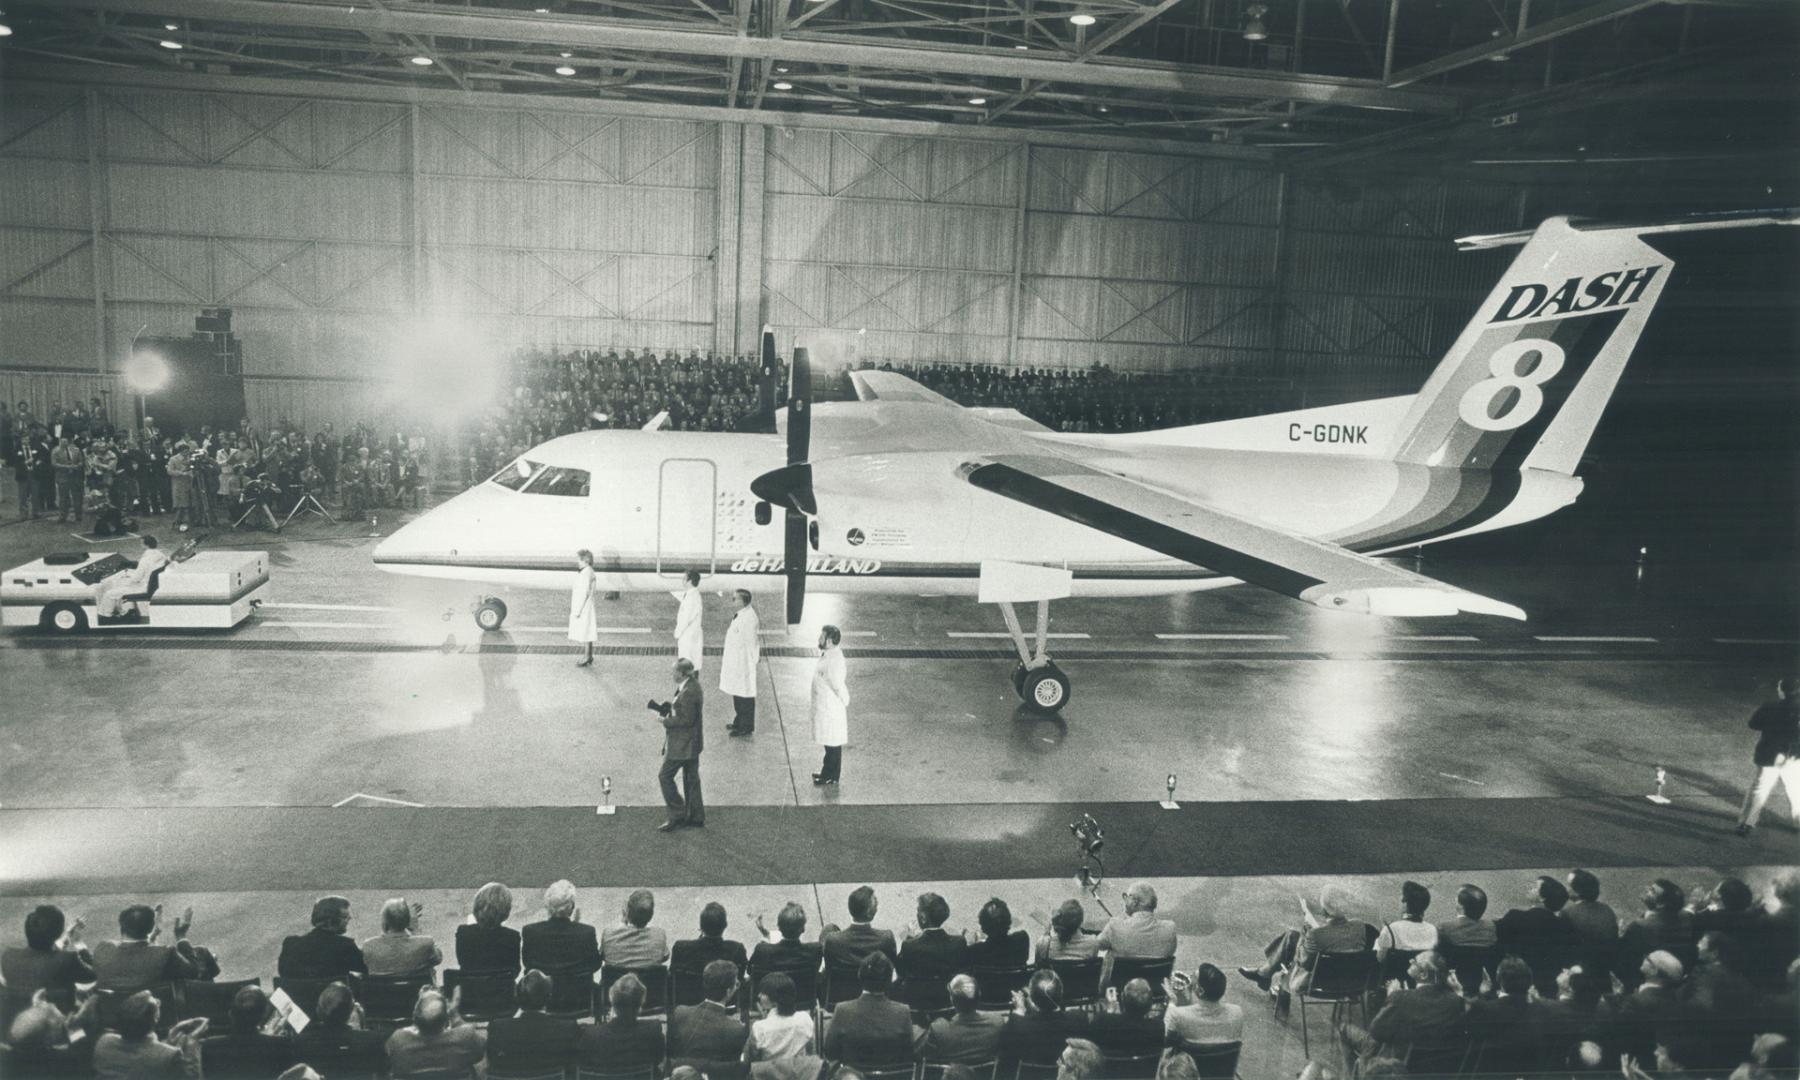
x=133, y=1050
x=1039, y=1026
x=332, y=1044
x=1505, y=1029
x=562, y=944
x=1125, y=1027
x=695, y=953
x=709, y=1031
x=532, y=1042
x=789, y=954
x=849, y=947
x=132, y=963
x=682, y=742
x=967, y=1036
x=53, y=959
x=1539, y=935
x=932, y=951
x=872, y=1029
x=247, y=1049
x=326, y=951
x=1428, y=1018
x=623, y=1042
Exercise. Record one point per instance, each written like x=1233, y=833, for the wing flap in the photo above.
x=876, y=385
x=1315, y=571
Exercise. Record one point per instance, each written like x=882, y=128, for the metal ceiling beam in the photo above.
x=814, y=49
x=105, y=76
x=1592, y=15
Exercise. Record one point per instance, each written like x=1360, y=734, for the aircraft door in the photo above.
x=686, y=508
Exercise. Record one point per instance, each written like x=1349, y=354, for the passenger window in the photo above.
x=554, y=480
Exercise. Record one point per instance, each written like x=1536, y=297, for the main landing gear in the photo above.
x=490, y=613
x=1039, y=682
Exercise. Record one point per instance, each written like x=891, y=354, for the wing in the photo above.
x=1320, y=573
x=892, y=386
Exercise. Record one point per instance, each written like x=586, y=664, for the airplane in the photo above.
x=904, y=491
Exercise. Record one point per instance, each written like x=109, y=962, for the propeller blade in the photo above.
x=794, y=561
x=799, y=431
x=766, y=389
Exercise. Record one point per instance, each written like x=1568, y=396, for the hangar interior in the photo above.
x=398, y=200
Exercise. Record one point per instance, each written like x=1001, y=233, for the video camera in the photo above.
x=1088, y=835
x=661, y=707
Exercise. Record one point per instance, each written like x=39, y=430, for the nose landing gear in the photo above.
x=1039, y=682
x=490, y=613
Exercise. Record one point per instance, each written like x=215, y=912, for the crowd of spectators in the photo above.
x=1684, y=990
x=79, y=464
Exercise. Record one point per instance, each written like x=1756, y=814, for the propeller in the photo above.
x=791, y=486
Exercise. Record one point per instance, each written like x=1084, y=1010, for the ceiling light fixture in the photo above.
x=1082, y=19
x=1104, y=109
x=170, y=26
x=5, y=30
x=1498, y=57
x=565, y=55
x=1022, y=48
x=421, y=61
x=1254, y=30
x=978, y=101
x=565, y=70
x=784, y=86
x=167, y=44
x=781, y=71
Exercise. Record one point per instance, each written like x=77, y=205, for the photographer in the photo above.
x=682, y=742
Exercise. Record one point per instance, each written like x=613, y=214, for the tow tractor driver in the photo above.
x=109, y=595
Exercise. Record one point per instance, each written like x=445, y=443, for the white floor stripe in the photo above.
x=1597, y=637
x=1004, y=634
x=1222, y=637
x=1756, y=641
x=1436, y=637
x=328, y=625
x=802, y=631
x=327, y=607
x=375, y=798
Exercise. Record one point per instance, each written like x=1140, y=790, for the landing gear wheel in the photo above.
x=65, y=618
x=1018, y=680
x=490, y=613
x=1046, y=689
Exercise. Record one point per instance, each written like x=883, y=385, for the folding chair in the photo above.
x=1338, y=979
x=1081, y=981
x=572, y=995
x=484, y=997
x=213, y=999
x=1214, y=1061
x=656, y=988
x=1154, y=972
x=1129, y=1067
x=994, y=987
x=388, y=1000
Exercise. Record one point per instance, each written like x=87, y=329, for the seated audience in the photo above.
x=1665, y=925
x=132, y=1051
x=134, y=962
x=1468, y=928
x=397, y=951
x=932, y=952
x=695, y=953
x=1596, y=926
x=624, y=1041
x=633, y=944
x=531, y=1041
x=1539, y=935
x=1505, y=1028
x=847, y=948
x=487, y=946
x=1427, y=1018
x=872, y=1029
x=253, y=1047
x=1197, y=1014
x=789, y=954
x=1038, y=1027
x=1067, y=938
x=1577, y=1014
x=1639, y=1013
x=436, y=1043
x=1731, y=908
x=1410, y=934
x=782, y=1031
x=53, y=958
x=326, y=951
x=709, y=1031
x=1000, y=946
x=1079, y=1060
x=968, y=1035
x=1177, y=1065
x=1295, y=952
x=561, y=944
x=1138, y=934
x=1125, y=1028
x=334, y=1042
x=46, y=1042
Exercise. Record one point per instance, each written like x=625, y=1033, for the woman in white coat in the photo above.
x=830, y=705
x=690, y=636
x=737, y=667
x=584, y=613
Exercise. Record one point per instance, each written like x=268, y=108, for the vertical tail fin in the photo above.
x=1526, y=380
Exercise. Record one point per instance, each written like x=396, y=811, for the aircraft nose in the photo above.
x=427, y=538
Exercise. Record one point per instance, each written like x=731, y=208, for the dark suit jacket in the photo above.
x=1010, y=951
x=129, y=966
x=560, y=947
x=1543, y=940
x=487, y=950
x=53, y=970
x=682, y=734
x=1429, y=1015
x=319, y=954
x=855, y=943
x=934, y=953
x=245, y=1056
x=620, y=1047
x=532, y=1042
x=1507, y=1028
x=1128, y=1036
x=965, y=1038
x=343, y=1051
x=870, y=1030
x=695, y=953
x=1039, y=1038
x=706, y=1032
x=785, y=955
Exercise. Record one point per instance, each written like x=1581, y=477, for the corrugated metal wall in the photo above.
x=340, y=232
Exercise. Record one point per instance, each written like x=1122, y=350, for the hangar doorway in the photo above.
x=686, y=508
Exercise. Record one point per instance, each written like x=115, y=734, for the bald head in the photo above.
x=431, y=1013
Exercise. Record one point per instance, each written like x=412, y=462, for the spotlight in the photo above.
x=784, y=86
x=5, y=30
x=420, y=61
x=781, y=71
x=1254, y=30
x=1082, y=19
x=978, y=101
x=170, y=26
x=146, y=371
x=1022, y=48
x=565, y=70
x=1088, y=835
x=167, y=44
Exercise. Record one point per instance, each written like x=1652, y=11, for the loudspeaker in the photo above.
x=213, y=321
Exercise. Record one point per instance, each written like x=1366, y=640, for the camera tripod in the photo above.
x=310, y=504
x=250, y=511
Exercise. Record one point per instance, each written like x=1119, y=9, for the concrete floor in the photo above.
x=357, y=683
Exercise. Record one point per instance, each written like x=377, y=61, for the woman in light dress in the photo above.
x=783, y=1032
x=584, y=613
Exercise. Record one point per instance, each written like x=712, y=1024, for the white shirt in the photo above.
x=1407, y=936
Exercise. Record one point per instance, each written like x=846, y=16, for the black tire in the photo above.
x=491, y=614
x=65, y=619
x=1046, y=689
x=1018, y=680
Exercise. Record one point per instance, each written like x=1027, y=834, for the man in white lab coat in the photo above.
x=109, y=597
x=830, y=706
x=737, y=667
x=690, y=640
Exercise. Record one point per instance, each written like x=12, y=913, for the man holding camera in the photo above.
x=682, y=743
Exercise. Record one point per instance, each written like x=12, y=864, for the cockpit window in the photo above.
x=555, y=480
x=517, y=474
